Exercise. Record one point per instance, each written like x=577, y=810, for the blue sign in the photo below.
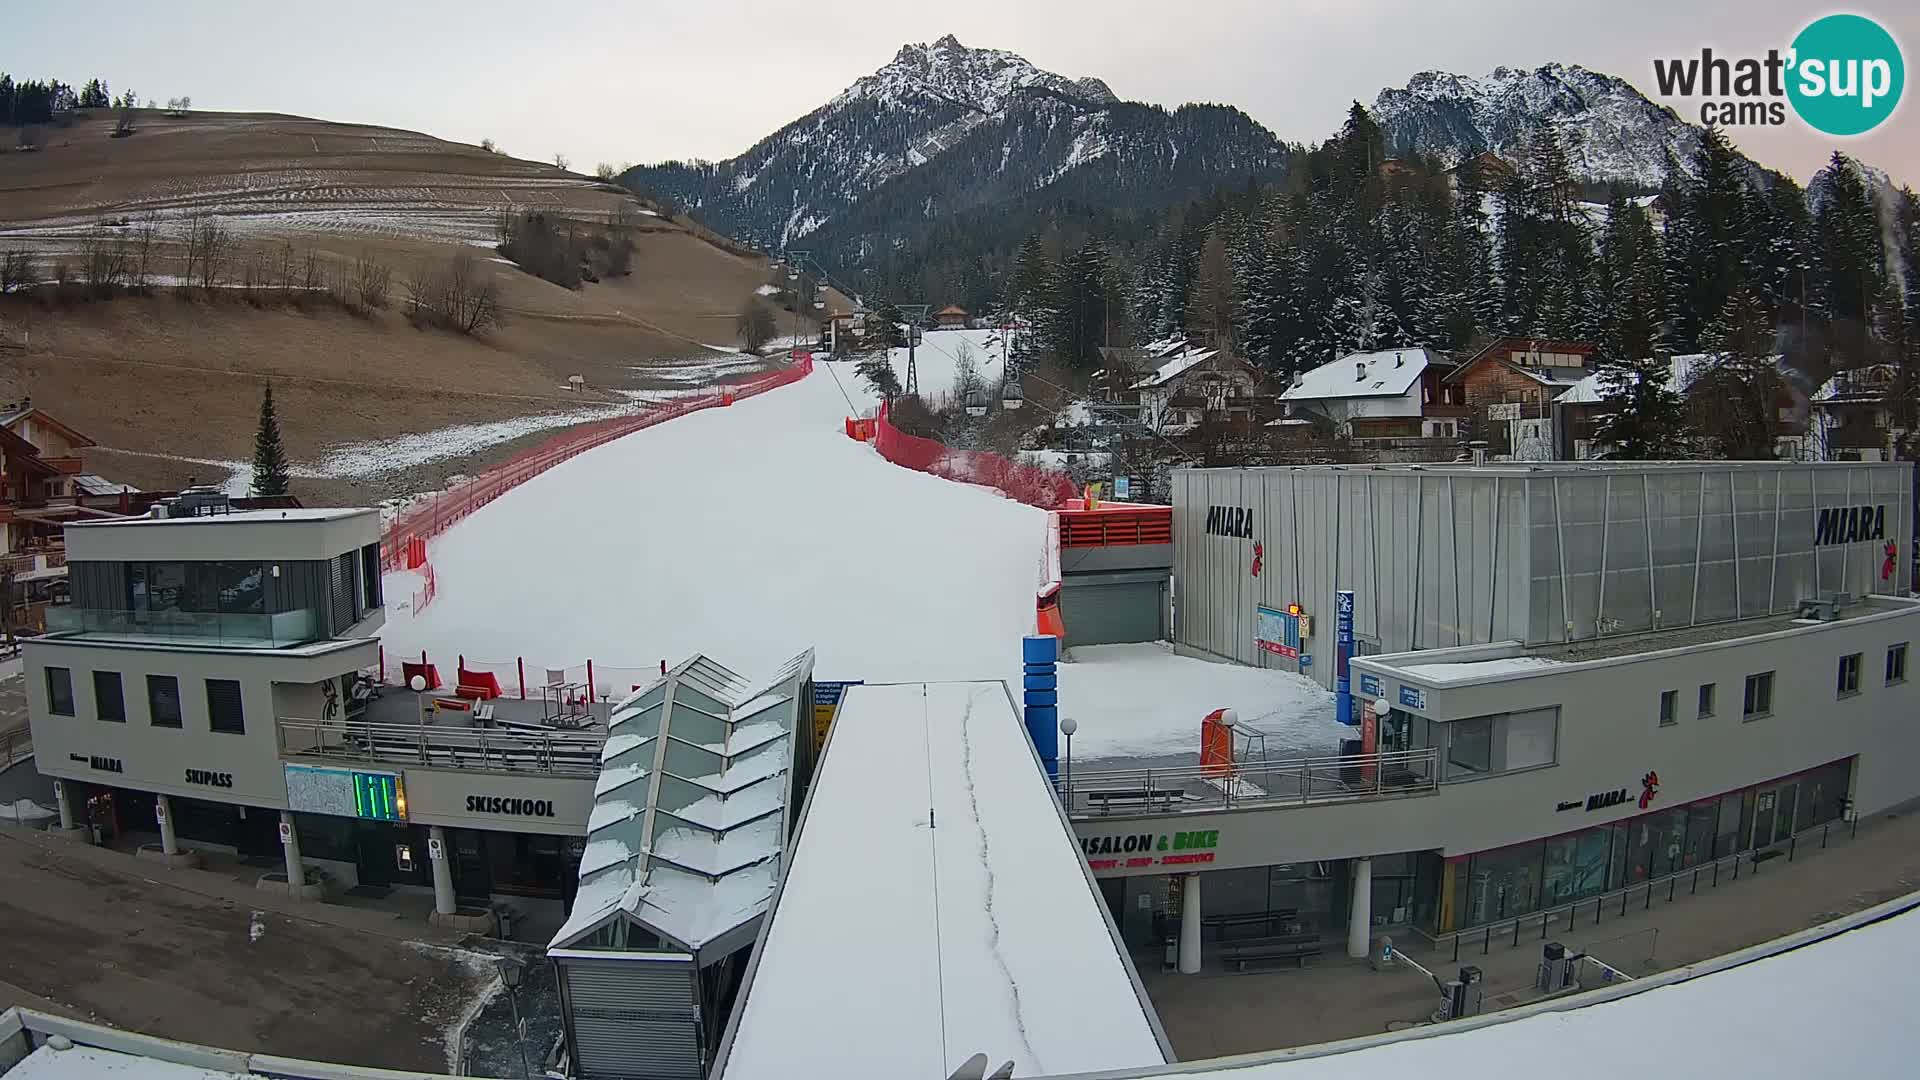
x=1278, y=633
x=1342, y=652
x=828, y=693
x=1370, y=685
x=1413, y=697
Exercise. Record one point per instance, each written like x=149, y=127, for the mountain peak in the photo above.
x=981, y=79
x=1612, y=131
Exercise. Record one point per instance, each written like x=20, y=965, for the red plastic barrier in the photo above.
x=439, y=514
x=1029, y=484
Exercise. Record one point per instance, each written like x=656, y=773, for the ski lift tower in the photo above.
x=916, y=316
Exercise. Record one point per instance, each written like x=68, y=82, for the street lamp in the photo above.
x=1067, y=727
x=511, y=970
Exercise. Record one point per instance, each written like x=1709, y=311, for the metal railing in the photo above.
x=1295, y=781
x=271, y=630
x=1639, y=896
x=16, y=744
x=571, y=753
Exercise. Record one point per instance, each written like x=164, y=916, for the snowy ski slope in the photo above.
x=756, y=531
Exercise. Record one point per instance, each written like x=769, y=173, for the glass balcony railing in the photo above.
x=284, y=628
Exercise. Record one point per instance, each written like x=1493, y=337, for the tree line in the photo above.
x=41, y=101
x=1355, y=251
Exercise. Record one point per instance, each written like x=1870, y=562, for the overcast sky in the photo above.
x=643, y=82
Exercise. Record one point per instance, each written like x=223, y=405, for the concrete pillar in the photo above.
x=163, y=812
x=63, y=795
x=290, y=840
x=1360, y=912
x=439, y=853
x=1190, y=926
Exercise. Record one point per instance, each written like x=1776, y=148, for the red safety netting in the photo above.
x=1029, y=484
x=434, y=516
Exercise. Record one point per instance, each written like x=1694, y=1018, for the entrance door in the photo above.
x=1783, y=812
x=1763, y=815
x=471, y=875
x=374, y=859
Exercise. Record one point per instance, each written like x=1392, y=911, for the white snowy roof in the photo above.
x=1475, y=669
x=1870, y=383
x=1175, y=367
x=1376, y=374
x=1853, y=982
x=936, y=906
x=1685, y=368
x=690, y=810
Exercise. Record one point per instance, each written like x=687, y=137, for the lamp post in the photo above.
x=510, y=971
x=1067, y=727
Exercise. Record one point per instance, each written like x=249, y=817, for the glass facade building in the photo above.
x=1465, y=891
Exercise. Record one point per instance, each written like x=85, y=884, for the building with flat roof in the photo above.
x=1562, y=681
x=216, y=680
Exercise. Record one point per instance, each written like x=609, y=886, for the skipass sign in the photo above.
x=1842, y=75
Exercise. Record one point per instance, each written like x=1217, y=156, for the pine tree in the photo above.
x=270, y=475
x=1734, y=399
x=1214, y=297
x=1848, y=259
x=1647, y=419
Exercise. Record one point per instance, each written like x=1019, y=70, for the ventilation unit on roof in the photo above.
x=1359, y=372
x=1399, y=360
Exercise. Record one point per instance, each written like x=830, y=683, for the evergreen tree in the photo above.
x=883, y=327
x=1032, y=276
x=1734, y=398
x=1847, y=259
x=1712, y=238
x=1080, y=307
x=1213, y=299
x=1647, y=419
x=270, y=474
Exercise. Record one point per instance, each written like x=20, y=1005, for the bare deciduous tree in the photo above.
x=755, y=323
x=372, y=281
x=560, y=161
x=140, y=252
x=16, y=270
x=103, y=264
x=209, y=249
x=605, y=171
x=473, y=297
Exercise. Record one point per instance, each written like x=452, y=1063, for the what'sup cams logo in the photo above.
x=1842, y=75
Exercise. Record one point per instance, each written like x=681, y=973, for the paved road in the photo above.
x=93, y=933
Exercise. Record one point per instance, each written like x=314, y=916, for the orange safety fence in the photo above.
x=434, y=516
x=1112, y=524
x=1030, y=484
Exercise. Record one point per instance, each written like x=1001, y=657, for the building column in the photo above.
x=439, y=854
x=1190, y=925
x=163, y=813
x=290, y=840
x=63, y=795
x=1360, y=912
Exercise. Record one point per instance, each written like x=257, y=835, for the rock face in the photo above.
x=1612, y=131
x=944, y=127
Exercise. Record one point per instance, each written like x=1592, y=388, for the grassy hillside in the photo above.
x=169, y=378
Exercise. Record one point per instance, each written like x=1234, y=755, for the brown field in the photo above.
x=168, y=381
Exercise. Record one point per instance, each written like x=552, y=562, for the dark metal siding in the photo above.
x=633, y=1018
x=1108, y=609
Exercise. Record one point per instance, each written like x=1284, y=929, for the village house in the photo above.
x=1579, y=408
x=1511, y=386
x=1850, y=417
x=1396, y=403
x=951, y=317
x=1194, y=385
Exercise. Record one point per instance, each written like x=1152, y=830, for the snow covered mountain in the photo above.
x=1612, y=131
x=948, y=127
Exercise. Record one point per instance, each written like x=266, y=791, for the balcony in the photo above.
x=1090, y=794
x=552, y=752
x=262, y=631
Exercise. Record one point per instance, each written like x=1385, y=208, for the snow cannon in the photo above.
x=1040, y=654
x=1216, y=742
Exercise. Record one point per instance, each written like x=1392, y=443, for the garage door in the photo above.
x=1105, y=609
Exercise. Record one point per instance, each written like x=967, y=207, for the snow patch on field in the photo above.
x=937, y=358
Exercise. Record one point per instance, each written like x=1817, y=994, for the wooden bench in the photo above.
x=1296, y=947
x=1105, y=798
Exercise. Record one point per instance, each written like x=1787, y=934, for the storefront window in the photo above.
x=1504, y=883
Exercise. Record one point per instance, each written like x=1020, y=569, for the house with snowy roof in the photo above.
x=701, y=780
x=951, y=317
x=1395, y=400
x=1580, y=406
x=1850, y=417
x=1192, y=385
x=1511, y=385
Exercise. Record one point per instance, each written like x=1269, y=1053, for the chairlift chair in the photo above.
x=1012, y=395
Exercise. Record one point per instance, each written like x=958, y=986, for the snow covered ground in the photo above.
x=980, y=934
x=937, y=359
x=1135, y=701
x=756, y=531
x=1708, y=1025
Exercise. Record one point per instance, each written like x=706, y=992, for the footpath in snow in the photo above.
x=754, y=531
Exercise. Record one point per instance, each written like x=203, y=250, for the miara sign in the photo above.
x=1850, y=525
x=1230, y=521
